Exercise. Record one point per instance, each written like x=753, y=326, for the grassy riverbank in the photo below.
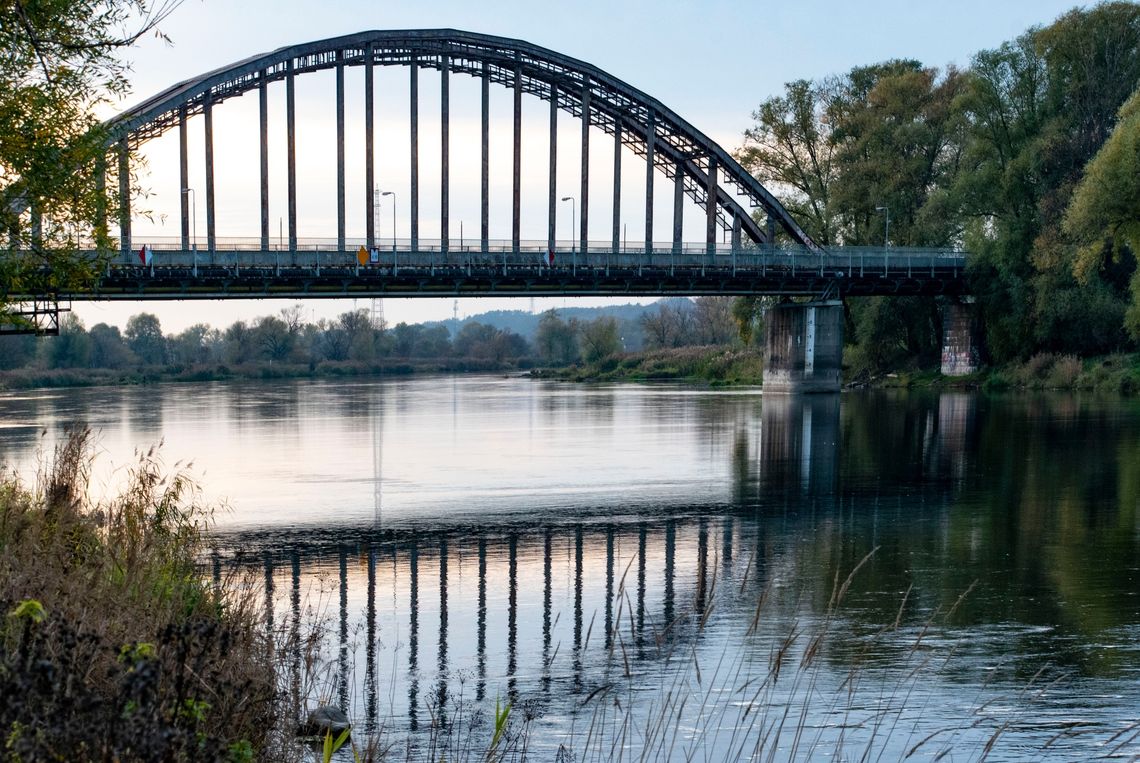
x=713, y=365
x=112, y=646
x=725, y=366
x=30, y=378
x=1112, y=374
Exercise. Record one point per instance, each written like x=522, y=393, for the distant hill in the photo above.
x=526, y=324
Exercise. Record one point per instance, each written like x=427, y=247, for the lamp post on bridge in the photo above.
x=886, y=225
x=194, y=228
x=573, y=234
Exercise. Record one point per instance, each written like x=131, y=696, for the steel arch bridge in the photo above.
x=352, y=265
x=699, y=168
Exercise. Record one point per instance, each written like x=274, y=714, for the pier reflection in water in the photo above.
x=535, y=611
x=550, y=544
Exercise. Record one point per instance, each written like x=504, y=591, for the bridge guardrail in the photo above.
x=849, y=261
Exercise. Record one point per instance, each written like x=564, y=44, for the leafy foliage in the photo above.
x=1104, y=216
x=58, y=62
x=992, y=158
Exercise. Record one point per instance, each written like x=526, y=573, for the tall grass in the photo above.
x=112, y=646
x=716, y=365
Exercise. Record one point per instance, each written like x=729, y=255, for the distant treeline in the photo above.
x=357, y=336
x=1029, y=158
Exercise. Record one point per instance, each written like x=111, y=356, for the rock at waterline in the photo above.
x=323, y=719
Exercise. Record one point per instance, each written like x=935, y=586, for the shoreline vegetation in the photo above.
x=113, y=645
x=715, y=366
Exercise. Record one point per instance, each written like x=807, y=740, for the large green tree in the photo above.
x=59, y=59
x=599, y=338
x=1040, y=107
x=789, y=147
x=1104, y=215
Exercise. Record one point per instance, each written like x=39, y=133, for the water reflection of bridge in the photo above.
x=547, y=606
x=562, y=589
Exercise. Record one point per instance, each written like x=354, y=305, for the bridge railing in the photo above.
x=317, y=254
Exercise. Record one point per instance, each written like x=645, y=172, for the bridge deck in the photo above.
x=470, y=271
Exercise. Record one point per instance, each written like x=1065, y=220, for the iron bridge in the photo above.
x=751, y=245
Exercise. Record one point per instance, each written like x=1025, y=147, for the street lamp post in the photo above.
x=393, y=195
x=886, y=225
x=194, y=224
x=573, y=233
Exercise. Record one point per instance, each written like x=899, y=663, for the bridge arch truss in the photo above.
x=698, y=168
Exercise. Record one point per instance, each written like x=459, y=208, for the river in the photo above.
x=653, y=572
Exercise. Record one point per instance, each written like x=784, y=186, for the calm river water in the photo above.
x=654, y=572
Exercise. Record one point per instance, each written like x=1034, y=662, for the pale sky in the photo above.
x=711, y=62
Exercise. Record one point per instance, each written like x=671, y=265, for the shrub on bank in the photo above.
x=112, y=647
x=713, y=364
x=1117, y=373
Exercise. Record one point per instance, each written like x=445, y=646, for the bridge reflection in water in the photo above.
x=426, y=619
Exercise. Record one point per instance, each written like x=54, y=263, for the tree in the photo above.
x=478, y=340
x=713, y=321
x=144, y=337
x=17, y=351
x=108, y=350
x=1104, y=215
x=748, y=314
x=194, y=346
x=72, y=348
x=556, y=339
x=435, y=342
x=333, y=341
x=898, y=136
x=670, y=325
x=238, y=343
x=58, y=63
x=789, y=146
x=365, y=340
x=272, y=337
x=1040, y=107
x=599, y=339
x=404, y=337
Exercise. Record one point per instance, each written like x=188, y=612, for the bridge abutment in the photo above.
x=961, y=339
x=804, y=348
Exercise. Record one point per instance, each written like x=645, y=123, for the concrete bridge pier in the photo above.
x=961, y=339
x=804, y=348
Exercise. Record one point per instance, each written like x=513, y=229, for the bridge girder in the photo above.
x=646, y=126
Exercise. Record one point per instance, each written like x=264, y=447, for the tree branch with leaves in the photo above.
x=59, y=61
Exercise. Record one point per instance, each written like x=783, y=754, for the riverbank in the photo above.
x=724, y=366
x=1116, y=374
x=29, y=378
x=715, y=366
x=712, y=365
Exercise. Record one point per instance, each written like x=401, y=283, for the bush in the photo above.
x=111, y=645
x=1065, y=372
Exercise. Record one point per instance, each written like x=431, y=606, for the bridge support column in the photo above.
x=804, y=348
x=961, y=340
